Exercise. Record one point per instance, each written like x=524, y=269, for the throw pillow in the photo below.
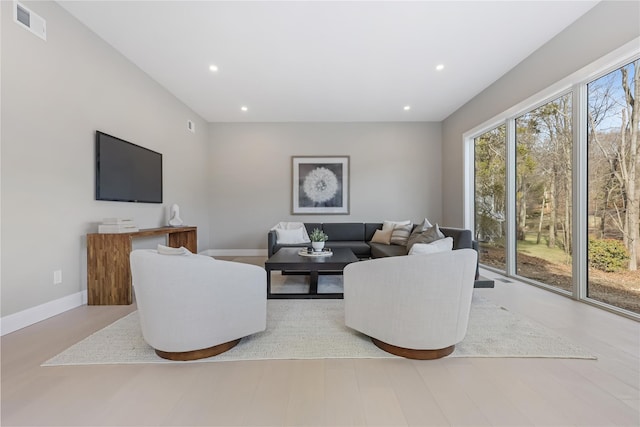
x=381, y=236
x=290, y=237
x=284, y=225
x=424, y=225
x=429, y=235
x=166, y=250
x=390, y=225
x=442, y=245
x=400, y=234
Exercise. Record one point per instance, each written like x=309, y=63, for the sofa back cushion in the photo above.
x=461, y=237
x=370, y=229
x=310, y=226
x=344, y=231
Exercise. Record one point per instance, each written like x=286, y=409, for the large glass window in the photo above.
x=490, y=192
x=614, y=188
x=543, y=194
x=526, y=170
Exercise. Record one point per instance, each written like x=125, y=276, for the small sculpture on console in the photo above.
x=175, y=220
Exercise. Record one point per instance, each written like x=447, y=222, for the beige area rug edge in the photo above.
x=293, y=333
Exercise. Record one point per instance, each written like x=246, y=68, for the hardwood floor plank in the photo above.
x=418, y=404
x=380, y=403
x=162, y=387
x=593, y=371
x=217, y=395
x=566, y=397
x=497, y=406
x=594, y=396
x=450, y=395
x=306, y=403
x=268, y=405
x=533, y=404
x=343, y=402
x=70, y=399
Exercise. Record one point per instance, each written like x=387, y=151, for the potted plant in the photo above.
x=318, y=237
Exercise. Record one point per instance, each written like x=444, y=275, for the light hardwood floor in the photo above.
x=334, y=392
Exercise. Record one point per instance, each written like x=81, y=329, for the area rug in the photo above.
x=314, y=329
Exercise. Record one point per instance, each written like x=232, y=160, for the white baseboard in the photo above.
x=28, y=317
x=234, y=252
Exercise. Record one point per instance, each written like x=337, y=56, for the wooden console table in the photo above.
x=108, y=270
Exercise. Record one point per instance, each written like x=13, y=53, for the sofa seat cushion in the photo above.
x=359, y=248
x=380, y=250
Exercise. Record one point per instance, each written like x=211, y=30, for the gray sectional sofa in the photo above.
x=357, y=236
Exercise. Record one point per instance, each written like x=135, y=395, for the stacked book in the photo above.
x=117, y=225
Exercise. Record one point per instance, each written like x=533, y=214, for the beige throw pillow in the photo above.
x=400, y=234
x=382, y=236
x=390, y=225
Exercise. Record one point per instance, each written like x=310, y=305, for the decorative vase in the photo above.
x=317, y=246
x=175, y=220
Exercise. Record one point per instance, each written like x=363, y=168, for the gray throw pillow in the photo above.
x=427, y=236
x=423, y=226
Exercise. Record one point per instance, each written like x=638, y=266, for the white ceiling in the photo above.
x=325, y=60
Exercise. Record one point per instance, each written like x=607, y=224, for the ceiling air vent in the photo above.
x=29, y=20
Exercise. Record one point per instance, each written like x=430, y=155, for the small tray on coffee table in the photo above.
x=315, y=254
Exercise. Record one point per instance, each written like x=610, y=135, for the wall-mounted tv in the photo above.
x=126, y=172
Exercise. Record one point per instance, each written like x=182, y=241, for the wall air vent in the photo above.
x=29, y=20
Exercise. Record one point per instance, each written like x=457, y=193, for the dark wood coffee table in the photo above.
x=288, y=259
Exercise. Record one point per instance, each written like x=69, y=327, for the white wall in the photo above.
x=604, y=28
x=395, y=174
x=55, y=95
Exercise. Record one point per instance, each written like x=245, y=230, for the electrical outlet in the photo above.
x=57, y=277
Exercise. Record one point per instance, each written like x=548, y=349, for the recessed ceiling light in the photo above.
x=440, y=67
x=407, y=107
x=244, y=108
x=213, y=68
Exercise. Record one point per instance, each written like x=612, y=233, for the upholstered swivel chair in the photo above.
x=415, y=306
x=192, y=306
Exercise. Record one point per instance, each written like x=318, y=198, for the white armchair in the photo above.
x=192, y=306
x=415, y=306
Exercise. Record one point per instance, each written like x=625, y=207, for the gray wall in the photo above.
x=55, y=94
x=395, y=174
x=604, y=28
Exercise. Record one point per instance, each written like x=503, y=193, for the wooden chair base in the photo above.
x=414, y=354
x=198, y=354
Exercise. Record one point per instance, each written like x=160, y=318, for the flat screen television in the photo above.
x=127, y=172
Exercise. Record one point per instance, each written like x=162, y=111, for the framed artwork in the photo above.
x=320, y=185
